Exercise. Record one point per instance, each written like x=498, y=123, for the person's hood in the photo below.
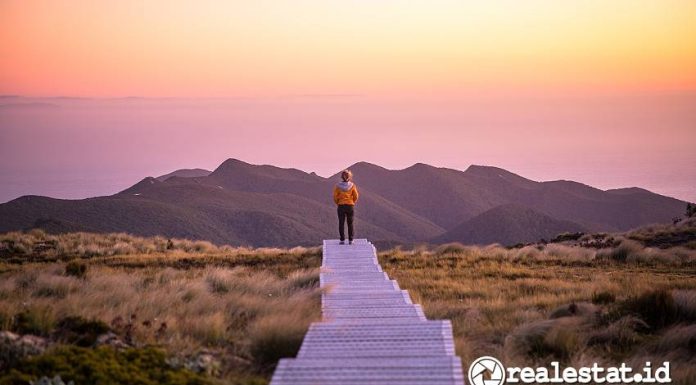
x=345, y=186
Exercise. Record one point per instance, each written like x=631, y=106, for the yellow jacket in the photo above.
x=345, y=193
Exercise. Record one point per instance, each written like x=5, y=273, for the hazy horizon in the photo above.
x=78, y=148
x=71, y=186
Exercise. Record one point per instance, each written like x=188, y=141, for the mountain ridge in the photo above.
x=185, y=173
x=266, y=205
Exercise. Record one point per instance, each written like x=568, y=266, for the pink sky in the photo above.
x=78, y=148
x=595, y=91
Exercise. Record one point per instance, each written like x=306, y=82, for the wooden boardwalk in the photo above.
x=371, y=332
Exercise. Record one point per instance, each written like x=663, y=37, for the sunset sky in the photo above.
x=603, y=92
x=256, y=48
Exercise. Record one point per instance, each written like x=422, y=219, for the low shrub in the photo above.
x=563, y=237
x=104, y=366
x=79, y=331
x=657, y=308
x=603, y=297
x=37, y=321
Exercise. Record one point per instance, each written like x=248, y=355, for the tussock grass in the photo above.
x=275, y=336
x=666, y=235
x=685, y=300
x=196, y=305
x=565, y=302
x=245, y=307
x=124, y=250
x=589, y=298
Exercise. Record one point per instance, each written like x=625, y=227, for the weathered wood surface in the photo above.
x=371, y=332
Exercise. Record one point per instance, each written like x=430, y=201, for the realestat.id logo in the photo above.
x=489, y=370
x=486, y=371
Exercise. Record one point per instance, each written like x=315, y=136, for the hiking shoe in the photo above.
x=350, y=242
x=342, y=243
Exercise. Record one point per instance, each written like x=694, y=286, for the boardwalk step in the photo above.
x=371, y=331
x=373, y=312
x=413, y=326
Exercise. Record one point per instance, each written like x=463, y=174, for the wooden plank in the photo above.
x=371, y=331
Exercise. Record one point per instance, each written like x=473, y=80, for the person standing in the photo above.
x=345, y=196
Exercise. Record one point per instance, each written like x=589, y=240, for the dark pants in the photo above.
x=345, y=212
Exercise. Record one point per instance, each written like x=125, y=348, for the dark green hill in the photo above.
x=508, y=224
x=263, y=205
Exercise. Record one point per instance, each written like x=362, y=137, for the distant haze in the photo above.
x=76, y=148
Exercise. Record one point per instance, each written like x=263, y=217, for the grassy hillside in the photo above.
x=162, y=311
x=604, y=298
x=197, y=313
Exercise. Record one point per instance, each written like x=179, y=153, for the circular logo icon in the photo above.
x=486, y=371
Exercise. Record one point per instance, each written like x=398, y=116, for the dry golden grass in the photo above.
x=607, y=298
x=534, y=304
x=127, y=251
x=247, y=307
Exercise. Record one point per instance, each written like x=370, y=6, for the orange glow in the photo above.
x=265, y=48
